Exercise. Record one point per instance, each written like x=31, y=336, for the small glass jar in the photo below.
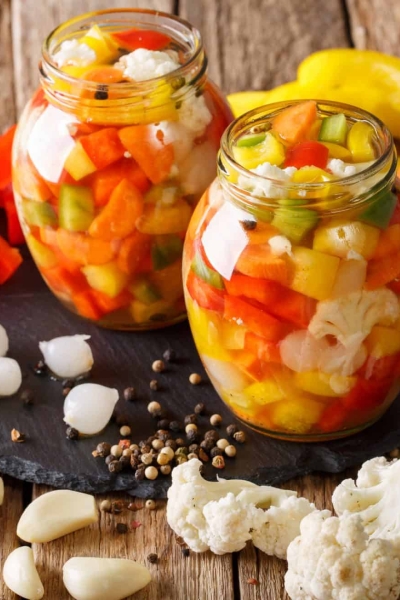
x=292, y=289
x=111, y=156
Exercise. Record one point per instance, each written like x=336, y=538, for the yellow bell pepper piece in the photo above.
x=168, y=281
x=105, y=48
x=359, y=142
x=264, y=392
x=43, y=256
x=296, y=415
x=142, y=313
x=205, y=325
x=339, y=237
x=270, y=150
x=312, y=175
x=78, y=163
x=383, y=341
x=106, y=278
x=324, y=384
x=313, y=272
x=336, y=151
x=232, y=336
x=161, y=220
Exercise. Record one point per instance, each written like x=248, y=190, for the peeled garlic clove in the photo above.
x=68, y=356
x=104, y=578
x=21, y=576
x=88, y=407
x=1, y=491
x=3, y=341
x=10, y=376
x=55, y=514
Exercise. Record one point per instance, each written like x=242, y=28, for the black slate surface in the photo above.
x=30, y=314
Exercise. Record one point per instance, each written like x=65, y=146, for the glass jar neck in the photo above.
x=68, y=92
x=332, y=197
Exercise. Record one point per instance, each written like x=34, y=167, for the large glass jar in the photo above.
x=292, y=275
x=111, y=156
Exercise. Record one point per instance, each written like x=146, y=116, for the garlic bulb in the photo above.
x=88, y=407
x=10, y=376
x=68, y=356
x=3, y=341
x=20, y=574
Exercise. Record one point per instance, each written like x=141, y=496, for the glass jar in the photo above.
x=292, y=286
x=111, y=155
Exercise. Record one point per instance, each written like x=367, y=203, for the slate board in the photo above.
x=30, y=314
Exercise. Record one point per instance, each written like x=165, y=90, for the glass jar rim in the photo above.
x=192, y=35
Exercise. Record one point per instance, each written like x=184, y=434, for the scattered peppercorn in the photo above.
x=190, y=427
x=72, y=433
x=207, y=444
x=191, y=419
x=181, y=459
x=175, y=426
x=150, y=504
x=127, y=452
x=147, y=458
x=139, y=474
x=154, y=384
x=222, y=443
x=194, y=448
x=200, y=408
x=165, y=469
x=171, y=444
x=232, y=429
x=129, y=394
x=125, y=461
x=203, y=456
x=180, y=442
x=40, y=369
x=218, y=462
x=103, y=449
x=152, y=558
x=185, y=552
x=116, y=451
x=134, y=447
x=163, y=459
x=121, y=528
x=125, y=431
x=168, y=451
x=182, y=451
x=169, y=355
x=154, y=408
x=215, y=452
x=248, y=225
x=101, y=93
x=164, y=436
x=195, y=379
x=117, y=507
x=17, y=436
x=151, y=473
x=157, y=444
x=212, y=435
x=121, y=419
x=394, y=453
x=115, y=466
x=109, y=459
x=215, y=420
x=192, y=436
x=163, y=424
x=239, y=437
x=230, y=451
x=252, y=581
x=27, y=397
x=66, y=391
x=105, y=506
x=134, y=461
x=158, y=366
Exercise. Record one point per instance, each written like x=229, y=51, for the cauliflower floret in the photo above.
x=198, y=510
x=142, y=64
x=375, y=497
x=195, y=115
x=74, y=53
x=341, y=169
x=333, y=559
x=282, y=526
x=279, y=245
x=266, y=187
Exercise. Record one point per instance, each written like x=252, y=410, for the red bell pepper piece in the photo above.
x=253, y=317
x=307, y=154
x=366, y=394
x=132, y=39
x=204, y=294
x=380, y=369
x=263, y=290
x=262, y=349
x=14, y=231
x=395, y=285
x=10, y=259
x=395, y=220
x=103, y=147
x=6, y=142
x=333, y=418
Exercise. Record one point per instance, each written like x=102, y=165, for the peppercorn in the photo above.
x=147, y=458
x=151, y=473
x=116, y=451
x=145, y=449
x=185, y=552
x=203, y=456
x=135, y=461
x=230, y=451
x=394, y=453
x=101, y=93
x=191, y=427
x=121, y=419
x=110, y=458
x=169, y=355
x=154, y=408
x=150, y=504
x=200, y=408
x=195, y=379
x=239, y=437
x=232, y=429
x=139, y=474
x=181, y=459
x=154, y=385
x=40, y=369
x=158, y=366
x=207, y=444
x=164, y=437
x=125, y=431
x=129, y=394
x=105, y=506
x=215, y=420
x=222, y=443
x=121, y=528
x=218, y=462
x=192, y=455
x=192, y=436
x=191, y=419
x=72, y=433
x=125, y=461
x=163, y=424
x=194, y=448
x=27, y=397
x=165, y=469
x=134, y=447
x=171, y=444
x=152, y=558
x=68, y=383
x=115, y=466
x=212, y=435
x=133, y=506
x=103, y=449
x=182, y=451
x=180, y=442
x=215, y=452
x=176, y=426
x=117, y=507
x=157, y=444
x=168, y=451
x=66, y=391
x=248, y=225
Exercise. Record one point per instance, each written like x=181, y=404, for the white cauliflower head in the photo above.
x=281, y=526
x=333, y=559
x=221, y=515
x=375, y=497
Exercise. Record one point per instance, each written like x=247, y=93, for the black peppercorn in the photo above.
x=101, y=93
x=27, y=397
x=194, y=448
x=139, y=474
x=68, y=383
x=169, y=355
x=129, y=394
x=40, y=369
x=207, y=444
x=135, y=462
x=215, y=452
x=125, y=461
x=171, y=444
x=200, y=408
x=116, y=507
x=185, y=552
x=163, y=424
x=212, y=435
x=115, y=466
x=109, y=459
x=180, y=442
x=164, y=437
x=103, y=449
x=248, y=225
x=122, y=419
x=192, y=436
x=154, y=385
x=72, y=433
x=176, y=426
x=232, y=429
x=146, y=448
x=191, y=419
x=121, y=528
x=152, y=558
x=151, y=439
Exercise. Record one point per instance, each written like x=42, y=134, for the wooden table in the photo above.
x=251, y=44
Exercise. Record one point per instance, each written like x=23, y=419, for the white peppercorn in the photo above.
x=195, y=379
x=151, y=473
x=158, y=366
x=157, y=444
x=150, y=504
x=222, y=443
x=230, y=451
x=154, y=407
x=116, y=451
x=125, y=431
x=215, y=420
x=190, y=427
x=168, y=451
x=147, y=458
x=165, y=469
x=163, y=459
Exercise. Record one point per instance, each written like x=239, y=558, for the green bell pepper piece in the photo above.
x=144, y=291
x=334, y=129
x=39, y=214
x=380, y=210
x=76, y=207
x=165, y=250
x=203, y=271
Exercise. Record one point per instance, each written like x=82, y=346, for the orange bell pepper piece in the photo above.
x=258, y=261
x=103, y=147
x=294, y=123
x=252, y=317
x=85, y=305
x=382, y=271
x=105, y=181
x=149, y=151
x=389, y=242
x=83, y=250
x=263, y=290
x=132, y=252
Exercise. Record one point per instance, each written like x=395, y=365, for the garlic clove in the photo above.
x=1, y=491
x=89, y=407
x=55, y=514
x=3, y=341
x=21, y=576
x=10, y=376
x=68, y=356
x=104, y=578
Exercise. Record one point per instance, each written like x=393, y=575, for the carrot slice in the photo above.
x=83, y=250
x=150, y=152
x=389, y=242
x=263, y=290
x=133, y=251
x=105, y=181
x=103, y=147
x=294, y=123
x=252, y=317
x=258, y=261
x=382, y=271
x=118, y=217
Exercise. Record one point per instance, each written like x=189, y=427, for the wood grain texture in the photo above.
x=258, y=45
x=27, y=40
x=7, y=113
x=174, y=577
x=10, y=513
x=375, y=25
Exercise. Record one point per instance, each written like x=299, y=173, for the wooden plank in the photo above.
x=175, y=577
x=257, y=44
x=375, y=25
x=28, y=39
x=7, y=114
x=10, y=513
x=268, y=571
